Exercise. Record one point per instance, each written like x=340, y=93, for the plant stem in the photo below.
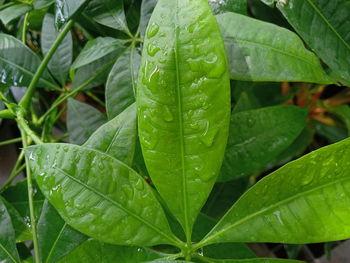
x=3, y=143
x=17, y=169
x=26, y=100
x=22, y=123
x=6, y=114
x=24, y=30
x=95, y=98
x=30, y=200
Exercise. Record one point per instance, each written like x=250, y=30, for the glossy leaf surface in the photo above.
x=147, y=8
x=183, y=100
x=82, y=121
x=65, y=9
x=18, y=64
x=98, y=195
x=326, y=20
x=258, y=136
x=237, y=6
x=13, y=12
x=56, y=237
x=8, y=251
x=306, y=201
x=109, y=13
x=260, y=51
x=117, y=137
x=121, y=83
x=96, y=49
x=60, y=62
x=39, y=4
x=252, y=260
x=93, y=251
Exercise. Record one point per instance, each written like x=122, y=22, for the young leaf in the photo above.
x=93, y=251
x=306, y=201
x=8, y=250
x=96, y=49
x=183, y=100
x=13, y=12
x=99, y=195
x=315, y=20
x=117, y=137
x=60, y=62
x=121, y=83
x=259, y=136
x=56, y=237
x=147, y=8
x=260, y=51
x=109, y=13
x=18, y=64
x=82, y=121
x=237, y=6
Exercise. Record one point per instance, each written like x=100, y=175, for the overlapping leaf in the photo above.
x=13, y=12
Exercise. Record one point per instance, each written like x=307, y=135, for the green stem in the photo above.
x=3, y=143
x=6, y=5
x=22, y=123
x=95, y=98
x=24, y=30
x=26, y=100
x=30, y=200
x=6, y=114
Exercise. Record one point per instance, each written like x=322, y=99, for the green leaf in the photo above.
x=343, y=112
x=82, y=121
x=56, y=237
x=183, y=100
x=94, y=73
x=99, y=195
x=259, y=136
x=22, y=230
x=8, y=251
x=17, y=196
x=121, y=83
x=306, y=201
x=19, y=64
x=237, y=6
x=253, y=260
x=108, y=13
x=96, y=49
x=93, y=251
x=260, y=51
x=40, y=4
x=65, y=9
x=147, y=8
x=59, y=64
x=14, y=11
x=117, y=137
x=315, y=20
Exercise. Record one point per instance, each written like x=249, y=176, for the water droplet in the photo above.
x=307, y=179
x=101, y=166
x=65, y=148
x=251, y=123
x=278, y=215
x=32, y=157
x=128, y=191
x=27, y=221
x=80, y=206
x=139, y=184
x=209, y=134
x=268, y=2
x=152, y=49
x=167, y=114
x=152, y=30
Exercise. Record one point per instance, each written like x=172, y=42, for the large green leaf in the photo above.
x=258, y=136
x=252, y=260
x=121, y=83
x=56, y=237
x=93, y=251
x=13, y=12
x=237, y=6
x=306, y=201
x=8, y=251
x=109, y=13
x=260, y=51
x=60, y=62
x=18, y=64
x=39, y=4
x=117, y=137
x=82, y=121
x=99, y=195
x=324, y=25
x=183, y=100
x=96, y=49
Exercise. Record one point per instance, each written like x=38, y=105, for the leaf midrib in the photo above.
x=113, y=202
x=271, y=207
x=55, y=243
x=8, y=253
